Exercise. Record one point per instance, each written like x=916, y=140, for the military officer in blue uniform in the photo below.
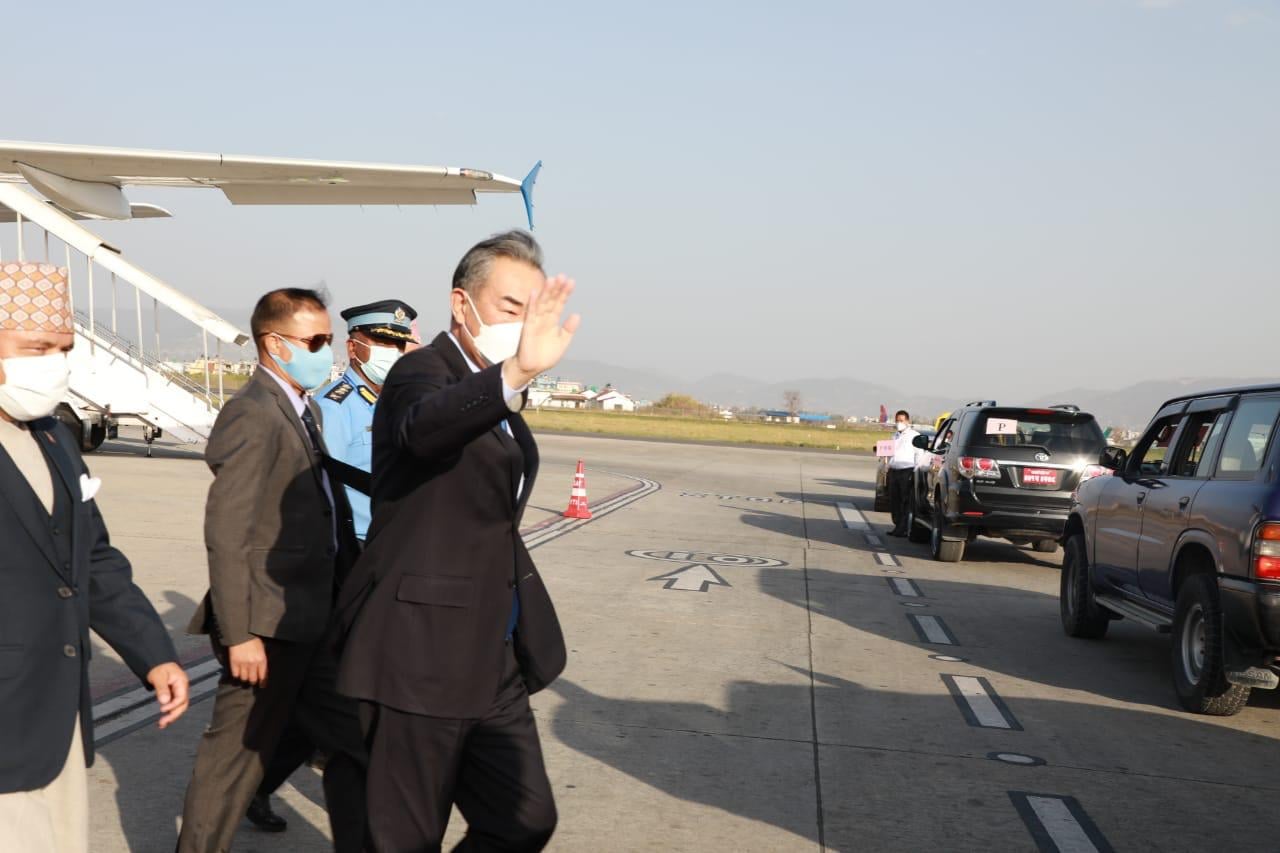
x=377, y=334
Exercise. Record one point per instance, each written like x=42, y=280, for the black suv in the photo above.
x=1002, y=471
x=1185, y=538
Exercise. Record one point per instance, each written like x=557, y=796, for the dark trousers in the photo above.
x=901, y=481
x=247, y=725
x=293, y=750
x=491, y=767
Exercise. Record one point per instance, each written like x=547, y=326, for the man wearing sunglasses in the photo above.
x=377, y=335
x=279, y=536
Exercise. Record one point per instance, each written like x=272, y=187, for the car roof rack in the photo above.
x=1066, y=407
x=980, y=403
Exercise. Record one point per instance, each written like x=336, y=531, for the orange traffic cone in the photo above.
x=578, y=496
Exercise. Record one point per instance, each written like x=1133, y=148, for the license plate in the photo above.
x=1039, y=477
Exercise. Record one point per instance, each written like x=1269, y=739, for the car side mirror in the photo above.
x=920, y=441
x=1114, y=458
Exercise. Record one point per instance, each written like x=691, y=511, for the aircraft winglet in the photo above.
x=526, y=191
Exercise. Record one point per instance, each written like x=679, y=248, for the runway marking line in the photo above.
x=554, y=528
x=905, y=587
x=874, y=540
x=120, y=714
x=887, y=559
x=978, y=701
x=931, y=629
x=852, y=517
x=1059, y=824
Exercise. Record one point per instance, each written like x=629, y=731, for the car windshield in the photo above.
x=1054, y=432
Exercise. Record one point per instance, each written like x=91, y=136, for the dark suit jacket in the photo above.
x=59, y=577
x=273, y=566
x=427, y=605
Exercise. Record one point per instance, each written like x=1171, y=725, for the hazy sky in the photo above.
x=1040, y=195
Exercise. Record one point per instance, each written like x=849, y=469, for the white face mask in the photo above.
x=34, y=385
x=380, y=362
x=902, y=426
x=497, y=342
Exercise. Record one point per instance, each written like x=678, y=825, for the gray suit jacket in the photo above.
x=268, y=524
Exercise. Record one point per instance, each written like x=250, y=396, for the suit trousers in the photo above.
x=900, y=480
x=247, y=725
x=55, y=817
x=491, y=767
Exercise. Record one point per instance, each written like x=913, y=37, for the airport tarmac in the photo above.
x=754, y=666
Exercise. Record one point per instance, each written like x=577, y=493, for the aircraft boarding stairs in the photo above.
x=117, y=374
x=110, y=374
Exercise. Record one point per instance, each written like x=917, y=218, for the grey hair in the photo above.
x=473, y=269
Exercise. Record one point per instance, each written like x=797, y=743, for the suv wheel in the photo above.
x=1199, y=675
x=1081, y=614
x=944, y=550
x=1045, y=546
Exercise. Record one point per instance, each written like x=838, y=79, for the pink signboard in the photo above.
x=884, y=448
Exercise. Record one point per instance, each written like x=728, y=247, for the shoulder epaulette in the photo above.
x=369, y=396
x=339, y=392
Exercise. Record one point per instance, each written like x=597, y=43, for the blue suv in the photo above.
x=1184, y=537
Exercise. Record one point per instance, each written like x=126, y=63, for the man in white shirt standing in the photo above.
x=902, y=466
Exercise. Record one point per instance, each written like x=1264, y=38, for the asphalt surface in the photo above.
x=754, y=666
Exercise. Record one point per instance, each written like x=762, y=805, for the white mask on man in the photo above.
x=380, y=362
x=34, y=385
x=902, y=426
x=497, y=342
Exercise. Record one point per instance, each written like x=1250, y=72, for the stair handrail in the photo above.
x=116, y=342
x=109, y=258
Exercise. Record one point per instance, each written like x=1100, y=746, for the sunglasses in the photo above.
x=315, y=343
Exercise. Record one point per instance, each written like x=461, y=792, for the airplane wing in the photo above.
x=89, y=180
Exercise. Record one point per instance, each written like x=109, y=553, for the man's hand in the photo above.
x=170, y=683
x=249, y=662
x=544, y=339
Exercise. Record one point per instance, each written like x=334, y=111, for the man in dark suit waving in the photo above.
x=59, y=577
x=450, y=626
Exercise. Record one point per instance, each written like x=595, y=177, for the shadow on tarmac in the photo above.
x=717, y=771
x=751, y=777
x=138, y=448
x=846, y=484
x=997, y=625
x=829, y=531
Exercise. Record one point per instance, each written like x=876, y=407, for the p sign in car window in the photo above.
x=1002, y=426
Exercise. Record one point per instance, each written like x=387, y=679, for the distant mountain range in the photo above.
x=1133, y=406
x=1128, y=407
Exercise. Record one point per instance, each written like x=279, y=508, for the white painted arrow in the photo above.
x=695, y=578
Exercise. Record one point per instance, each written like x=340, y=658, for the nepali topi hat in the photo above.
x=34, y=298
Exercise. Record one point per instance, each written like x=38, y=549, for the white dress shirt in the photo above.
x=905, y=455
x=508, y=394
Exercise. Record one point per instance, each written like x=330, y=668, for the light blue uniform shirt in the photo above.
x=347, y=406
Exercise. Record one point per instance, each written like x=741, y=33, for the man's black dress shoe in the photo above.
x=261, y=815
